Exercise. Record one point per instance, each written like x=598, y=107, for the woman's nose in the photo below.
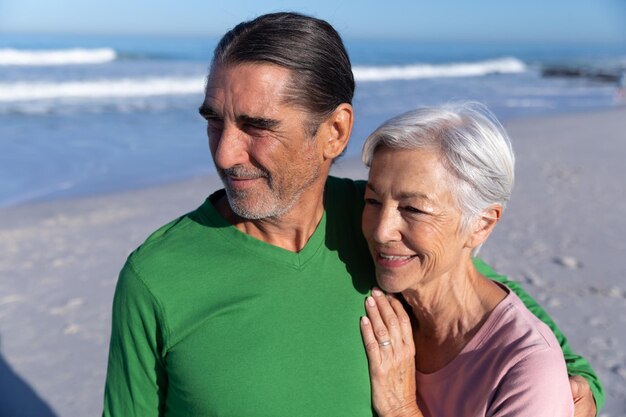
x=386, y=227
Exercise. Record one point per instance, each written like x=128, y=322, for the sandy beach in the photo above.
x=562, y=237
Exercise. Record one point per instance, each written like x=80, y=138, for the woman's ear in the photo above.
x=483, y=226
x=339, y=127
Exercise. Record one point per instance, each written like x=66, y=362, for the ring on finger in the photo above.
x=384, y=343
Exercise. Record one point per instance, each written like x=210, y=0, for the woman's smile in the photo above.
x=389, y=260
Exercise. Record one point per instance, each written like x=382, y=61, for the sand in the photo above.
x=562, y=236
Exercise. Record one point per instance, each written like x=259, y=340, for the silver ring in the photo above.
x=384, y=343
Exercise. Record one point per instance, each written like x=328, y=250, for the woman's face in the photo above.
x=411, y=219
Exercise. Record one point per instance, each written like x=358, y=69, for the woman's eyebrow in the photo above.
x=403, y=194
x=414, y=194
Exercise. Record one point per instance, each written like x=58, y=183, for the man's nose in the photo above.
x=229, y=147
x=387, y=226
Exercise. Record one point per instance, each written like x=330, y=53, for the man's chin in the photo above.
x=249, y=209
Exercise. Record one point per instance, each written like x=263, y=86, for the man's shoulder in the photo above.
x=171, y=240
x=337, y=184
x=343, y=200
x=344, y=191
x=165, y=235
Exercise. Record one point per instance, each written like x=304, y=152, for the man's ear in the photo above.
x=483, y=226
x=337, y=132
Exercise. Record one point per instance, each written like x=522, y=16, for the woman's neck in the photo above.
x=449, y=310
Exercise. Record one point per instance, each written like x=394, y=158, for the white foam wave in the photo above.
x=128, y=87
x=463, y=69
x=74, y=56
x=144, y=87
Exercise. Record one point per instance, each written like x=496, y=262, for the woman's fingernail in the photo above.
x=370, y=301
x=377, y=292
x=365, y=320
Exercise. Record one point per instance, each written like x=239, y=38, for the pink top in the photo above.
x=512, y=367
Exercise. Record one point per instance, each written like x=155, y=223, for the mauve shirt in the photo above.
x=513, y=366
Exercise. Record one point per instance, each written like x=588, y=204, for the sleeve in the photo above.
x=536, y=386
x=136, y=379
x=576, y=364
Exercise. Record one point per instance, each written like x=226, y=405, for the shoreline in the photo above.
x=561, y=236
x=60, y=193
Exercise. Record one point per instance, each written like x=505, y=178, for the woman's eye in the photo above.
x=412, y=209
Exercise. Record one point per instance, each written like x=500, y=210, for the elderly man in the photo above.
x=249, y=305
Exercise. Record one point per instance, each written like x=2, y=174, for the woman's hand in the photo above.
x=388, y=340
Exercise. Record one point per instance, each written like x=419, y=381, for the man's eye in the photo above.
x=215, y=123
x=255, y=130
x=252, y=129
x=372, y=202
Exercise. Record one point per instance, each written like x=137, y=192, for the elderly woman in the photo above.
x=439, y=180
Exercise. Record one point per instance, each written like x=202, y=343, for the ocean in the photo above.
x=85, y=115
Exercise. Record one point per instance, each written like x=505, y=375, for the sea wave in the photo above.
x=128, y=87
x=143, y=87
x=507, y=65
x=76, y=56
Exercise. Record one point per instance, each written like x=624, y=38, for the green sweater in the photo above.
x=208, y=321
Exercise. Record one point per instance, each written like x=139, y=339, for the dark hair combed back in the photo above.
x=311, y=48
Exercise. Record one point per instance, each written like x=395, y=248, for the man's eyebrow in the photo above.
x=206, y=111
x=259, y=122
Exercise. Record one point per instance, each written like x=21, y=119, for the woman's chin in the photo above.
x=390, y=284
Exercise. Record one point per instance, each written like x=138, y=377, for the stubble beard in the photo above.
x=278, y=199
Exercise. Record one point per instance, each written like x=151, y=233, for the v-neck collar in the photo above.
x=244, y=242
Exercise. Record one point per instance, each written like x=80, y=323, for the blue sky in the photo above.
x=484, y=20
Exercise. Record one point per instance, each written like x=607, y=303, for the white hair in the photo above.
x=473, y=145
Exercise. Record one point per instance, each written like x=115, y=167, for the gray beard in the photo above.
x=279, y=202
x=275, y=208
x=237, y=199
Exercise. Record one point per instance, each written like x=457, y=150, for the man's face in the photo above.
x=259, y=144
